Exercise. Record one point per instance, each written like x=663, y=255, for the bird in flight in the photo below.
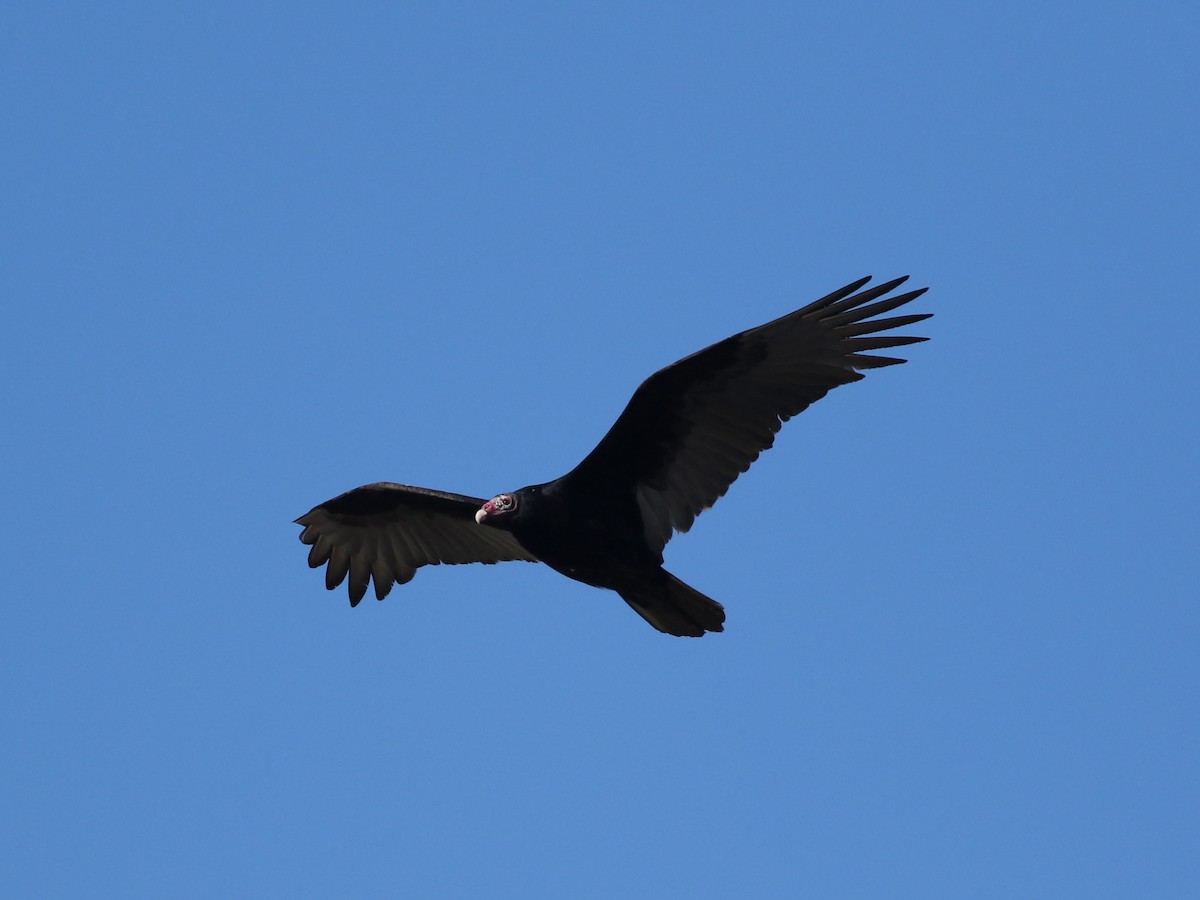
x=685, y=436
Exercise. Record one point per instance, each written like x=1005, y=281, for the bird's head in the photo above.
x=497, y=509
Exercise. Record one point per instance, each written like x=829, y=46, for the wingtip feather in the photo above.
x=860, y=361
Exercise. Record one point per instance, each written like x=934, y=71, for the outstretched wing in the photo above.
x=385, y=532
x=693, y=427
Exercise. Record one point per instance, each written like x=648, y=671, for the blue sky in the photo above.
x=254, y=257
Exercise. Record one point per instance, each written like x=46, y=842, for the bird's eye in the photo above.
x=503, y=503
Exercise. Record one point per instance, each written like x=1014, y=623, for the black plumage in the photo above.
x=685, y=436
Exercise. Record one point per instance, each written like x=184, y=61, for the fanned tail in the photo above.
x=673, y=607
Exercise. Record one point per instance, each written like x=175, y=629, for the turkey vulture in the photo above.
x=686, y=435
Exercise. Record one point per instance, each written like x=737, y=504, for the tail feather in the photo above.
x=673, y=607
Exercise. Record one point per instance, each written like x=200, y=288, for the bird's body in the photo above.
x=685, y=436
x=593, y=542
